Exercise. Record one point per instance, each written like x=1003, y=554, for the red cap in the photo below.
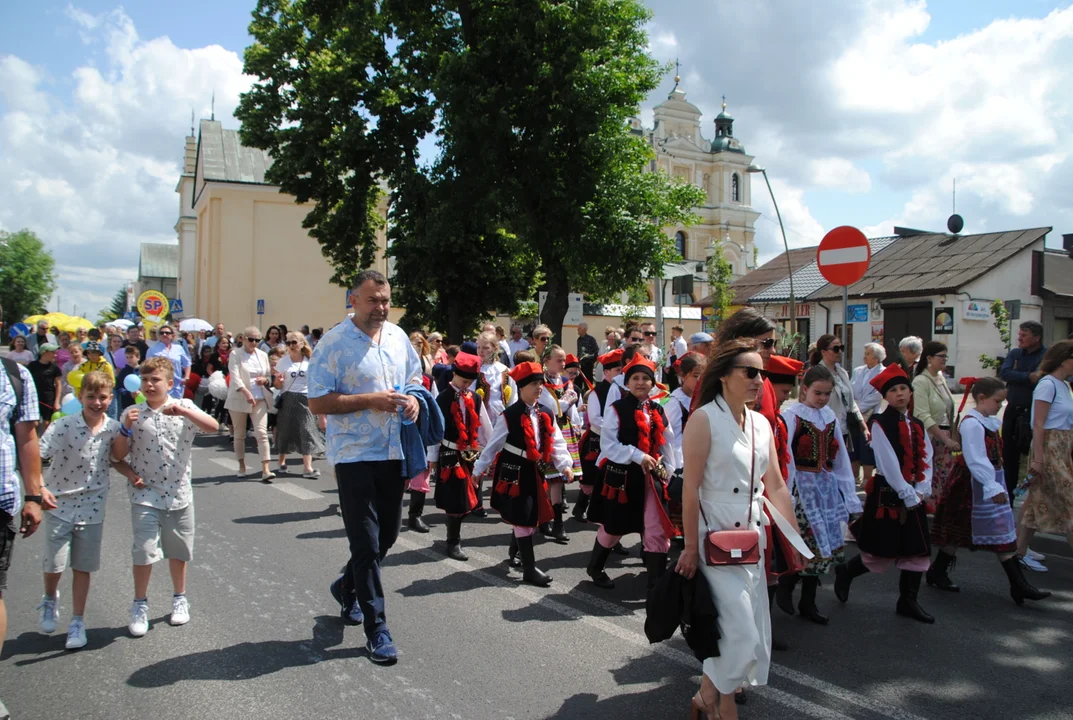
x=640, y=364
x=572, y=361
x=891, y=377
x=611, y=360
x=527, y=372
x=783, y=369
x=466, y=365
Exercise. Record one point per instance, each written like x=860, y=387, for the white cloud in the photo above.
x=802, y=229
x=840, y=173
x=94, y=174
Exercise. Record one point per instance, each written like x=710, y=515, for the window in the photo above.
x=735, y=188
x=680, y=243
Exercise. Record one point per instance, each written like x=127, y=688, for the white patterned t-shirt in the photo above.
x=161, y=454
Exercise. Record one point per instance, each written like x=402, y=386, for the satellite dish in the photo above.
x=955, y=224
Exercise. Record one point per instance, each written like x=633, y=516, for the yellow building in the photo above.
x=241, y=241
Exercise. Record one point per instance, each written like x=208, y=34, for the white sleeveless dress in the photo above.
x=740, y=591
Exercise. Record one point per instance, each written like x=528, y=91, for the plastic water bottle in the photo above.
x=402, y=413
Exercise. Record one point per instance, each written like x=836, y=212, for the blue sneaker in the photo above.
x=382, y=651
x=348, y=607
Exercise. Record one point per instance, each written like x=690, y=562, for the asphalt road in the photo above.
x=265, y=640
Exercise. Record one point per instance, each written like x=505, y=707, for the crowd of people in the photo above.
x=745, y=464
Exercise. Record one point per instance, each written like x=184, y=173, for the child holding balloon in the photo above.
x=128, y=382
x=80, y=447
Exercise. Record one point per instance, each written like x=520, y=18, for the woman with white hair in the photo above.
x=868, y=401
x=247, y=400
x=910, y=347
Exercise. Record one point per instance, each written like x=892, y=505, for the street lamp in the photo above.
x=754, y=168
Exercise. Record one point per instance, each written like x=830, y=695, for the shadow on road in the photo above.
x=278, y=518
x=35, y=643
x=250, y=659
x=670, y=699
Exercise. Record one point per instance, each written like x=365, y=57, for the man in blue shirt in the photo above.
x=180, y=360
x=1020, y=371
x=355, y=375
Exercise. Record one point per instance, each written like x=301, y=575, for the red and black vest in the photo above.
x=513, y=417
x=445, y=400
x=628, y=433
x=908, y=443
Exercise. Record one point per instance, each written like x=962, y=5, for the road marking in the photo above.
x=665, y=650
x=297, y=491
x=841, y=256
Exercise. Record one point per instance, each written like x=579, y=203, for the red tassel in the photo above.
x=515, y=490
x=501, y=487
x=460, y=472
x=445, y=474
x=622, y=499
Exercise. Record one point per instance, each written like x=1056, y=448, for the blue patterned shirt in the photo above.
x=348, y=362
x=29, y=411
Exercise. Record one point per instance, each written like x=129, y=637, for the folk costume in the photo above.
x=677, y=411
x=630, y=499
x=590, y=440
x=821, y=484
x=466, y=429
x=498, y=391
x=525, y=442
x=967, y=518
x=893, y=530
x=560, y=397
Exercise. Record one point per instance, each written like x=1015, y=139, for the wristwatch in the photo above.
x=32, y=498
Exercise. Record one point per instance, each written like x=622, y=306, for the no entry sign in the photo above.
x=843, y=255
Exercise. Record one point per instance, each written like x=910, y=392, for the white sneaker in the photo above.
x=76, y=634
x=180, y=611
x=49, y=608
x=1033, y=565
x=139, y=619
x=1033, y=555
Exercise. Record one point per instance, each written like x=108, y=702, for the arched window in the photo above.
x=680, y=243
x=735, y=188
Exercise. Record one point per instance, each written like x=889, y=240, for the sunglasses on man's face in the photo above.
x=165, y=332
x=649, y=334
x=253, y=339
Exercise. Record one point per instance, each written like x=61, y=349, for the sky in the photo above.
x=864, y=113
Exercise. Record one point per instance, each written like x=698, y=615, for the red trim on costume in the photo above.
x=467, y=431
x=547, y=437
x=911, y=436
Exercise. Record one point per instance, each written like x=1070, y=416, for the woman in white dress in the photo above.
x=724, y=442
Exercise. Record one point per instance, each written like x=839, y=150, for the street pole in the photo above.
x=659, y=309
x=845, y=322
x=785, y=247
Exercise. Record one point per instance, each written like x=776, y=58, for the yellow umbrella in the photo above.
x=32, y=320
x=55, y=318
x=73, y=324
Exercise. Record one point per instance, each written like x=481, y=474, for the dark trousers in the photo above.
x=1011, y=453
x=370, y=497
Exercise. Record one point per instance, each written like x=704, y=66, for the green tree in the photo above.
x=1001, y=313
x=720, y=276
x=26, y=275
x=117, y=308
x=530, y=101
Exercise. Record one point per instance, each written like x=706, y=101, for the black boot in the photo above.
x=909, y=587
x=532, y=574
x=777, y=644
x=938, y=574
x=807, y=606
x=544, y=529
x=619, y=550
x=580, y=507
x=479, y=511
x=656, y=565
x=417, y=506
x=784, y=592
x=454, y=542
x=596, y=566
x=512, y=552
x=558, y=534
x=844, y=574
x=1020, y=588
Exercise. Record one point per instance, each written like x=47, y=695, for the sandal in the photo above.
x=700, y=711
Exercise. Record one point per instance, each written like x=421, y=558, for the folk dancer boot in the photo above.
x=558, y=534
x=909, y=588
x=581, y=507
x=1020, y=588
x=479, y=511
x=417, y=506
x=656, y=565
x=807, y=606
x=777, y=644
x=512, y=552
x=939, y=572
x=784, y=592
x=531, y=573
x=454, y=542
x=844, y=574
x=596, y=566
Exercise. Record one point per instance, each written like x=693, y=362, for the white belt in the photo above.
x=514, y=449
x=449, y=445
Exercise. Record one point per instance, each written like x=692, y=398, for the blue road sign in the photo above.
x=130, y=315
x=175, y=306
x=260, y=307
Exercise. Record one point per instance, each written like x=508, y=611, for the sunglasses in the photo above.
x=291, y=342
x=835, y=348
x=544, y=338
x=650, y=334
x=750, y=371
x=165, y=332
x=769, y=343
x=253, y=339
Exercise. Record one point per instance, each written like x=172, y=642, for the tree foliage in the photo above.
x=26, y=275
x=117, y=308
x=720, y=276
x=529, y=99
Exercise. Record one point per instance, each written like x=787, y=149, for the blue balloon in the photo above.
x=133, y=383
x=71, y=407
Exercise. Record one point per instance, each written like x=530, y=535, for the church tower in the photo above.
x=717, y=166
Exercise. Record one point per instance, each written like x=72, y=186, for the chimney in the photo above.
x=1067, y=243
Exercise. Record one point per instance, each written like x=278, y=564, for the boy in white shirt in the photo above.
x=159, y=435
x=80, y=446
